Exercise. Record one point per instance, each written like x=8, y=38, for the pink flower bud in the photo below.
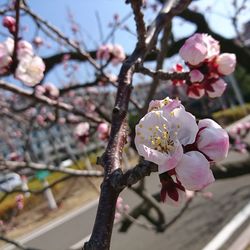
x=212, y=140
x=195, y=91
x=52, y=90
x=103, y=53
x=10, y=23
x=194, y=50
x=38, y=41
x=226, y=63
x=217, y=88
x=82, y=131
x=196, y=76
x=103, y=131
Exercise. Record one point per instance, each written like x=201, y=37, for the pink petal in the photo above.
x=226, y=63
x=214, y=143
x=185, y=125
x=194, y=172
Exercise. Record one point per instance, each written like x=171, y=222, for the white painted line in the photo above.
x=220, y=239
x=57, y=222
x=80, y=243
x=243, y=240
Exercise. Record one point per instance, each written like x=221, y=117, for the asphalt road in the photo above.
x=193, y=231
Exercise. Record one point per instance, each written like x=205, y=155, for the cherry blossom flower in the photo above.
x=196, y=76
x=113, y=52
x=52, y=90
x=169, y=136
x=6, y=51
x=161, y=133
x=104, y=51
x=10, y=23
x=24, y=49
x=194, y=51
x=226, y=63
x=196, y=91
x=118, y=54
x=201, y=54
x=82, y=132
x=178, y=68
x=198, y=48
x=103, y=131
x=216, y=88
x=30, y=70
x=37, y=41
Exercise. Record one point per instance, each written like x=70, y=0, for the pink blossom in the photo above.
x=10, y=23
x=213, y=47
x=198, y=48
x=30, y=70
x=217, y=88
x=82, y=131
x=178, y=68
x=40, y=90
x=24, y=49
x=103, y=131
x=118, y=54
x=6, y=51
x=52, y=90
x=40, y=120
x=170, y=137
x=226, y=63
x=38, y=41
x=196, y=76
x=193, y=171
x=104, y=51
x=160, y=135
x=212, y=140
x=194, y=50
x=114, y=52
x=195, y=91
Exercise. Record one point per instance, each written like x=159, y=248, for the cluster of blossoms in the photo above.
x=237, y=135
x=201, y=54
x=48, y=90
x=111, y=52
x=183, y=149
x=121, y=208
x=30, y=67
x=81, y=131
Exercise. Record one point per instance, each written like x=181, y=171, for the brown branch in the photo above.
x=102, y=231
x=132, y=176
x=16, y=33
x=139, y=21
x=47, y=101
x=162, y=75
x=83, y=53
x=13, y=165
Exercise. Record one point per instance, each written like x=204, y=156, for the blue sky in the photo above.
x=85, y=12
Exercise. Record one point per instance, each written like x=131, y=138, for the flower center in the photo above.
x=161, y=140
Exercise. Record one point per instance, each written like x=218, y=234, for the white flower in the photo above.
x=30, y=70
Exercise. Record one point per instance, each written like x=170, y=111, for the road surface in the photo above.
x=193, y=231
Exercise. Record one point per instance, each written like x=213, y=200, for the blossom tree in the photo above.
x=169, y=139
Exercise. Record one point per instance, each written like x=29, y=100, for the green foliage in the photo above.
x=231, y=115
